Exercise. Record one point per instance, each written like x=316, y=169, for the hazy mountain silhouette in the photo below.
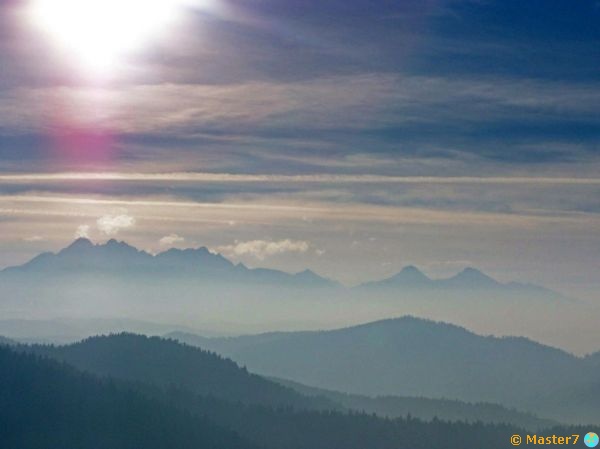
x=64, y=330
x=119, y=258
x=410, y=276
x=115, y=279
x=197, y=288
x=46, y=405
x=414, y=357
x=425, y=408
x=468, y=281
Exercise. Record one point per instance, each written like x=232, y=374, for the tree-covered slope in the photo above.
x=166, y=362
x=425, y=408
x=45, y=405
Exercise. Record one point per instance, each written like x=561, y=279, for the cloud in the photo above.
x=112, y=224
x=82, y=232
x=171, y=239
x=323, y=178
x=34, y=238
x=261, y=249
x=287, y=212
x=328, y=103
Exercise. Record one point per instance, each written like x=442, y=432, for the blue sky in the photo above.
x=335, y=104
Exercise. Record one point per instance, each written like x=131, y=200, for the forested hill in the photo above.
x=166, y=362
x=425, y=408
x=6, y=341
x=414, y=357
x=44, y=405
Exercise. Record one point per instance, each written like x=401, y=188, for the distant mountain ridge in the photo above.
x=425, y=408
x=119, y=258
x=414, y=357
x=469, y=280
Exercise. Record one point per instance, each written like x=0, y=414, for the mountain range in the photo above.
x=87, y=289
x=65, y=330
x=415, y=357
x=120, y=259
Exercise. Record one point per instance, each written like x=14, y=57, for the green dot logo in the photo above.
x=591, y=439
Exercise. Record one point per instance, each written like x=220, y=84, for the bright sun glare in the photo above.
x=99, y=33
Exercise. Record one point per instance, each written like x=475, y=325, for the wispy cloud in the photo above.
x=277, y=178
x=261, y=249
x=274, y=212
x=346, y=102
x=34, y=238
x=171, y=239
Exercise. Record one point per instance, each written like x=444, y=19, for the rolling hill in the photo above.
x=425, y=408
x=167, y=363
x=414, y=357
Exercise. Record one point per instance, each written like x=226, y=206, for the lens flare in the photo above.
x=99, y=34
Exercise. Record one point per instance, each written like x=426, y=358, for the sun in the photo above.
x=99, y=34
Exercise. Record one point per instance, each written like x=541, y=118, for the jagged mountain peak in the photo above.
x=81, y=242
x=121, y=259
x=201, y=252
x=193, y=258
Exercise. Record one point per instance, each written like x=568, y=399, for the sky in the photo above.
x=349, y=137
